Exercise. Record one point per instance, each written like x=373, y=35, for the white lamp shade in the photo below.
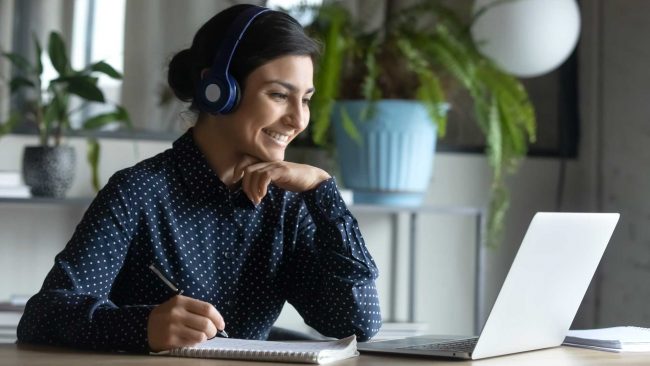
x=527, y=37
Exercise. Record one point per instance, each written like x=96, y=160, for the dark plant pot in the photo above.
x=49, y=171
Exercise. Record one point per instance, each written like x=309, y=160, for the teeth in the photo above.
x=277, y=136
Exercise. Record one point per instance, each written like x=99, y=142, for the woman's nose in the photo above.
x=297, y=116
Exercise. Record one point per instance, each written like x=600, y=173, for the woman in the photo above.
x=220, y=214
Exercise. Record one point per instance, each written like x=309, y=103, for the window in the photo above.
x=303, y=17
x=98, y=35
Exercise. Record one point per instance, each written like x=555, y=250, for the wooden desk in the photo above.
x=11, y=354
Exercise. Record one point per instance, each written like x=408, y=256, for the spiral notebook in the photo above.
x=242, y=349
x=616, y=339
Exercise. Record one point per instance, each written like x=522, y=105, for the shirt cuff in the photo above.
x=123, y=328
x=325, y=202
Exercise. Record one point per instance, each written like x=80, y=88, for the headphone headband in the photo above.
x=218, y=91
x=235, y=32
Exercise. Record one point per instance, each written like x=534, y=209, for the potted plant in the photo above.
x=409, y=63
x=49, y=167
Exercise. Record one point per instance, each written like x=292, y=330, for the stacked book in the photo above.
x=615, y=339
x=9, y=317
x=12, y=186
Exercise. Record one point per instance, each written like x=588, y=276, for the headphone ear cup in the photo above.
x=231, y=95
x=220, y=93
x=237, y=96
x=211, y=94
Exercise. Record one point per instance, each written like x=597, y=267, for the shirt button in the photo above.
x=228, y=302
x=228, y=255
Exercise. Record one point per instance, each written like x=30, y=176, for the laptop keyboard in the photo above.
x=461, y=345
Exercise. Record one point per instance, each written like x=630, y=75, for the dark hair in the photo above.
x=271, y=35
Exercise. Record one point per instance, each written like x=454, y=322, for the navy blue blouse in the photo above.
x=173, y=211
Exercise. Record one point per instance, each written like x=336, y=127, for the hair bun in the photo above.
x=179, y=75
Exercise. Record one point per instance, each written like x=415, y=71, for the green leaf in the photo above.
x=321, y=125
x=431, y=94
x=494, y=140
x=98, y=121
x=50, y=113
x=93, y=161
x=85, y=87
x=333, y=19
x=18, y=82
x=499, y=204
x=350, y=128
x=57, y=51
x=55, y=116
x=9, y=124
x=106, y=69
x=18, y=61
x=369, y=89
x=37, y=56
x=125, y=117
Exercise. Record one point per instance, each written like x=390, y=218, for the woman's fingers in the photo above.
x=201, y=324
x=181, y=321
x=187, y=336
x=260, y=181
x=254, y=178
x=248, y=183
x=290, y=176
x=206, y=310
x=263, y=183
x=240, y=168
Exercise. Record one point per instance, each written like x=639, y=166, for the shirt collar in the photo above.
x=195, y=171
x=197, y=175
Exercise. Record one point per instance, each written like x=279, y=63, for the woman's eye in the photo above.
x=279, y=96
x=306, y=101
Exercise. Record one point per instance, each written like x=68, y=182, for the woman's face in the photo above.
x=274, y=108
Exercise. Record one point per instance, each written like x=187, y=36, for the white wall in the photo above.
x=624, y=129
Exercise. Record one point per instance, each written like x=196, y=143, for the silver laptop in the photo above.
x=539, y=297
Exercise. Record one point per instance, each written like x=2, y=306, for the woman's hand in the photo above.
x=182, y=321
x=256, y=177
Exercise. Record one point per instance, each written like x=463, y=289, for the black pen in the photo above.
x=221, y=333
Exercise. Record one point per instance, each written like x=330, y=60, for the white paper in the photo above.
x=621, y=338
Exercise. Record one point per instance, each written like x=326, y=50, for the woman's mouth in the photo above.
x=276, y=136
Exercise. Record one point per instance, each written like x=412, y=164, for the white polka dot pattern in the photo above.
x=173, y=211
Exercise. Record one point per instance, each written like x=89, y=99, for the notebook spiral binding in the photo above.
x=245, y=354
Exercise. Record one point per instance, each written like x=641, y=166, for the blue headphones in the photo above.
x=218, y=90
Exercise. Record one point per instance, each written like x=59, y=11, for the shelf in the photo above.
x=367, y=208
x=424, y=209
x=69, y=201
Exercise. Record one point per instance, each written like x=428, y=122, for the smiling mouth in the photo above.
x=277, y=136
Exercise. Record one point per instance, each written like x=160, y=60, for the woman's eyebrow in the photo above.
x=292, y=88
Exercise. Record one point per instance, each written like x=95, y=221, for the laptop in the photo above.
x=539, y=297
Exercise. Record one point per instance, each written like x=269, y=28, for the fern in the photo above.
x=331, y=63
x=353, y=59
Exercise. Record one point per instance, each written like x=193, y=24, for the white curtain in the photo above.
x=39, y=18
x=154, y=31
x=6, y=24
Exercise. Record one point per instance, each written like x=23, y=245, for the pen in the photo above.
x=220, y=332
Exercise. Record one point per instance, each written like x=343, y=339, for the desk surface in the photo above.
x=11, y=354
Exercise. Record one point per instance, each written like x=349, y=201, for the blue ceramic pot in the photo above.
x=393, y=162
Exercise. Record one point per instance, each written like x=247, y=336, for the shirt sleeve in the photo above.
x=332, y=283
x=73, y=307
